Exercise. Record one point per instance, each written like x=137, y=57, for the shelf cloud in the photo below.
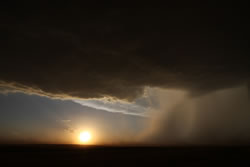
x=96, y=53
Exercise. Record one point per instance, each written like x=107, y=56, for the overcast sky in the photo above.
x=163, y=75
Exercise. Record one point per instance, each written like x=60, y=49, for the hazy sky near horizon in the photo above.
x=162, y=117
x=130, y=75
x=35, y=119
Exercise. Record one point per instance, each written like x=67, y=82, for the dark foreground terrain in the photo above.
x=74, y=155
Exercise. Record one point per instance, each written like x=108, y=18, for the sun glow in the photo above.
x=85, y=137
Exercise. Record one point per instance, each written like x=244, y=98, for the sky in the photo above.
x=161, y=76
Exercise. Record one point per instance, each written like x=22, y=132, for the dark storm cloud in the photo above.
x=91, y=53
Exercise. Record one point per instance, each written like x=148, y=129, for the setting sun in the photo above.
x=85, y=137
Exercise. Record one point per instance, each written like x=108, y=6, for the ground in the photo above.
x=74, y=155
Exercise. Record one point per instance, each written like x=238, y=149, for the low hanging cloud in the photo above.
x=115, y=107
x=96, y=53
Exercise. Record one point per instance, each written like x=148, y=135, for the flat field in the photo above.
x=75, y=155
